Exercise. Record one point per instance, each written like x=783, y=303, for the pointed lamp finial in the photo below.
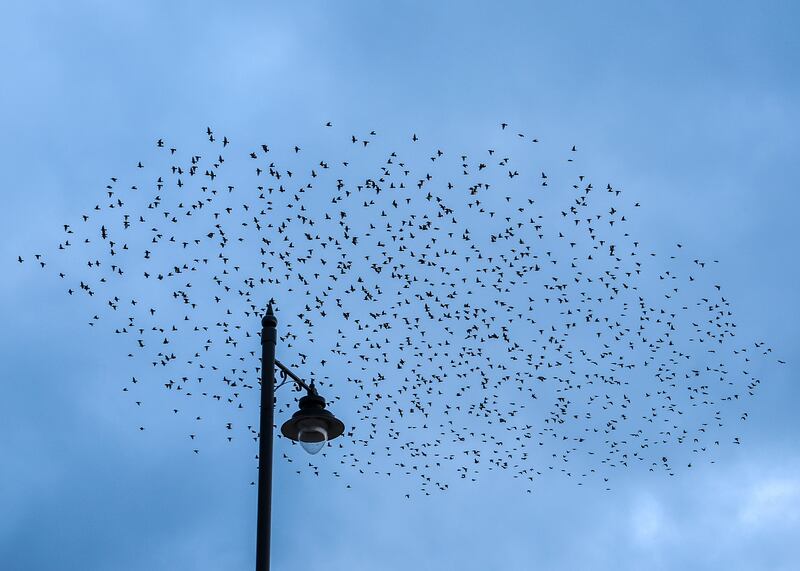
x=269, y=319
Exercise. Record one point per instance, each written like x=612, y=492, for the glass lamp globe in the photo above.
x=312, y=436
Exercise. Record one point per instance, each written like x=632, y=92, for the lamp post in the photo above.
x=312, y=426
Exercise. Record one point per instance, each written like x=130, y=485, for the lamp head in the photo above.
x=312, y=426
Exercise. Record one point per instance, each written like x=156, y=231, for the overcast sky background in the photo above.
x=691, y=107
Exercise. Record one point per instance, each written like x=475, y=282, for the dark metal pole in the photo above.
x=269, y=327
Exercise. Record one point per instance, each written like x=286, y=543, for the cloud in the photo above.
x=647, y=520
x=771, y=502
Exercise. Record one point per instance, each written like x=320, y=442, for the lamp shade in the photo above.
x=312, y=425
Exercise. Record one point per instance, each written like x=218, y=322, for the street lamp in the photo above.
x=312, y=426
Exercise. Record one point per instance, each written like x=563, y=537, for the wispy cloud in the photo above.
x=773, y=502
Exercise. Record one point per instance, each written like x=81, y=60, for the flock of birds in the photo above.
x=460, y=311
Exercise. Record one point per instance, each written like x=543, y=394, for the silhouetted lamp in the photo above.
x=312, y=426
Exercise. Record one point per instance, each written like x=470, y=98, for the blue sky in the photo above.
x=690, y=108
